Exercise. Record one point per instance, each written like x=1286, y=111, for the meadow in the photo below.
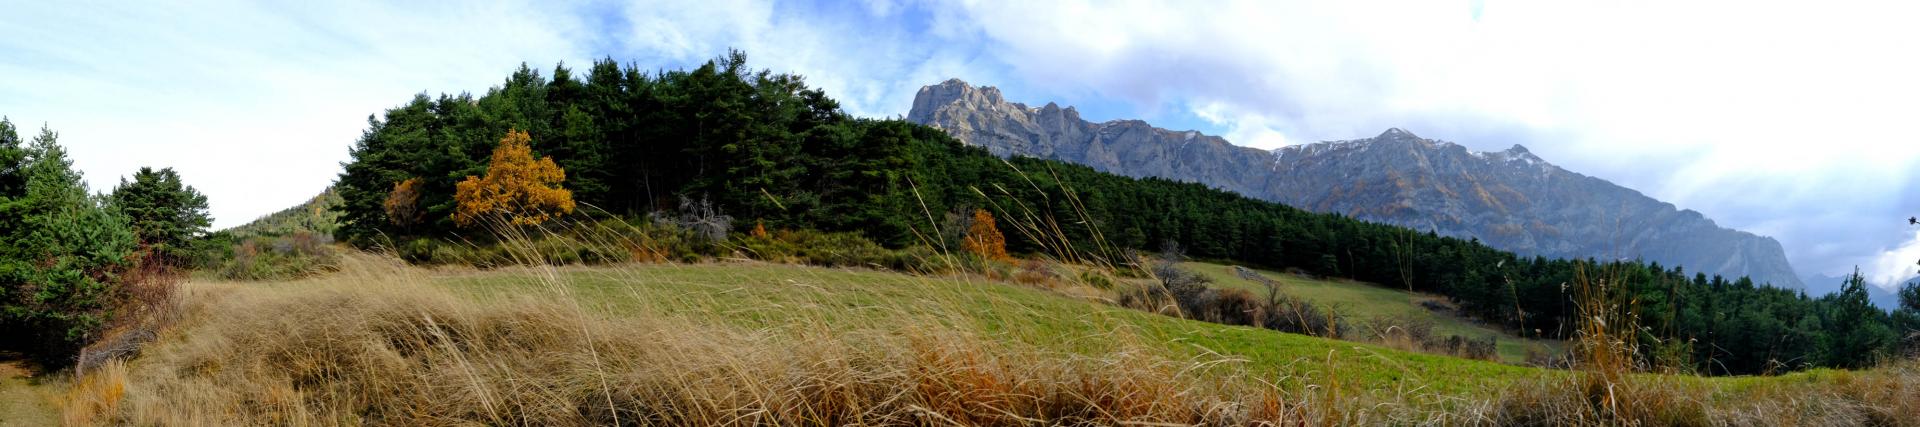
x=753, y=343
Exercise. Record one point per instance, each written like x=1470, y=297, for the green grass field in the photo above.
x=1367, y=301
x=782, y=296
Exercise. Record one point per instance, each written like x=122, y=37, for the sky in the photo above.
x=1786, y=119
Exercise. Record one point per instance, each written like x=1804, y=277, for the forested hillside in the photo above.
x=317, y=215
x=769, y=151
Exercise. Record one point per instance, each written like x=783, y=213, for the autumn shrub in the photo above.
x=402, y=205
x=984, y=238
x=1037, y=273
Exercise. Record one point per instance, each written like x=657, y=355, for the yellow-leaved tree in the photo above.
x=984, y=238
x=403, y=203
x=517, y=189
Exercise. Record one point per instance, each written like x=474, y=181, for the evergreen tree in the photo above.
x=59, y=262
x=1906, y=319
x=1857, y=328
x=166, y=215
x=13, y=158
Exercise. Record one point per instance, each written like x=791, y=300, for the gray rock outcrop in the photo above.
x=1509, y=199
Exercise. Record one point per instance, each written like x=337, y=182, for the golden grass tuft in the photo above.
x=95, y=395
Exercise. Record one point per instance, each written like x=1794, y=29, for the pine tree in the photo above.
x=13, y=158
x=517, y=188
x=67, y=248
x=1860, y=330
x=166, y=215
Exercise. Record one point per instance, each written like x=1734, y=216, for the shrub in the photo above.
x=280, y=257
x=1287, y=313
x=1186, y=294
x=1413, y=333
x=1036, y=273
x=818, y=248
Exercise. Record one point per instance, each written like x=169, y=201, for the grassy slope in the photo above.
x=763, y=300
x=25, y=401
x=775, y=296
x=1366, y=301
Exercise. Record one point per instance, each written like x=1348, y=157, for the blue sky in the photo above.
x=1785, y=119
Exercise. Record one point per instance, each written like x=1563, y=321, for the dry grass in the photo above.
x=380, y=345
x=385, y=344
x=96, y=397
x=1612, y=384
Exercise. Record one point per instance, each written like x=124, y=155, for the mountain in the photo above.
x=1512, y=199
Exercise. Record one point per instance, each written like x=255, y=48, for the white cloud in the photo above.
x=1764, y=116
x=255, y=105
x=1243, y=128
x=870, y=58
x=1779, y=118
x=1894, y=266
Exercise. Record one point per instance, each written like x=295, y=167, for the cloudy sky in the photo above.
x=1785, y=119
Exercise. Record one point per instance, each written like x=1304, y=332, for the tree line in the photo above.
x=68, y=256
x=767, y=149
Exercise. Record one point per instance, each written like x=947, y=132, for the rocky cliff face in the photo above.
x=1509, y=199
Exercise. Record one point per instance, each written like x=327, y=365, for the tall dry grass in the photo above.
x=1611, y=382
x=383, y=343
x=380, y=343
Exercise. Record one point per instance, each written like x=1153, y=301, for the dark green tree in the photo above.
x=166, y=215
x=59, y=259
x=1858, y=329
x=1906, y=319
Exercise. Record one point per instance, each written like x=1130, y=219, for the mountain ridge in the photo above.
x=1511, y=199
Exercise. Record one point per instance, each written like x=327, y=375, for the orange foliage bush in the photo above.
x=403, y=204
x=517, y=188
x=984, y=238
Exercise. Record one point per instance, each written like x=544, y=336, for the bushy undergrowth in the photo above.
x=840, y=250
x=1184, y=293
x=611, y=241
x=1413, y=333
x=266, y=257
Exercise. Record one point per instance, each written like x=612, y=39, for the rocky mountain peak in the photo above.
x=1397, y=134
x=1510, y=199
x=956, y=93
